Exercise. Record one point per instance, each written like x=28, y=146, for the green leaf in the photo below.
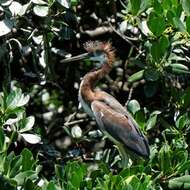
x=29, y=185
x=64, y=3
x=16, y=99
x=133, y=106
x=188, y=24
x=167, y=4
x=2, y=140
x=158, y=48
x=157, y=7
x=7, y=163
x=140, y=118
x=178, y=24
x=133, y=181
x=31, y=138
x=59, y=171
x=15, y=166
x=51, y=186
x=151, y=74
x=26, y=124
x=170, y=15
x=6, y=26
x=136, y=76
x=135, y=6
x=150, y=89
x=156, y=24
x=163, y=44
x=23, y=176
x=39, y=2
x=27, y=160
x=181, y=122
x=182, y=182
x=41, y=10
x=184, y=167
x=74, y=2
x=151, y=122
x=186, y=6
x=164, y=158
x=185, y=100
x=179, y=68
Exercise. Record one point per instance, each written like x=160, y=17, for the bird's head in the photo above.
x=100, y=52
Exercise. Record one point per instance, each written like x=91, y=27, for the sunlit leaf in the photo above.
x=186, y=6
x=133, y=106
x=182, y=182
x=179, y=68
x=5, y=27
x=41, y=10
x=76, y=132
x=22, y=176
x=64, y=3
x=39, y=2
x=15, y=8
x=26, y=124
x=31, y=138
x=136, y=76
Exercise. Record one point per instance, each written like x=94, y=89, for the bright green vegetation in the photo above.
x=43, y=145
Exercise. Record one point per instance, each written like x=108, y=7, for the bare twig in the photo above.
x=97, y=32
x=126, y=38
x=74, y=122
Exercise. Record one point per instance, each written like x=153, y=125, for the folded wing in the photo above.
x=120, y=126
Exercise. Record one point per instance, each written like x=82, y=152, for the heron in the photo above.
x=112, y=118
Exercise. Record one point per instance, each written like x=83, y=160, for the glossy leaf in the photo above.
x=40, y=10
x=27, y=160
x=133, y=106
x=188, y=24
x=26, y=124
x=22, y=176
x=186, y=6
x=135, y=6
x=182, y=182
x=2, y=140
x=31, y=138
x=64, y=3
x=136, y=76
x=164, y=157
x=156, y=24
x=179, y=68
x=16, y=99
x=5, y=27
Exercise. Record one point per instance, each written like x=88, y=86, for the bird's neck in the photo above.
x=89, y=81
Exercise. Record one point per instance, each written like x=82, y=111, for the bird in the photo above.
x=112, y=118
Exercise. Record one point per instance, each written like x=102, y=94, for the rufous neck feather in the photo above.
x=89, y=80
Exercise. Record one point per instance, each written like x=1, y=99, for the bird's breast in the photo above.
x=85, y=105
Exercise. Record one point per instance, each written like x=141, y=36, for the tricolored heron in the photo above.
x=112, y=118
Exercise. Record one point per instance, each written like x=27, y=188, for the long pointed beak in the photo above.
x=75, y=58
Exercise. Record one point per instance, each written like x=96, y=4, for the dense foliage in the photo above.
x=46, y=141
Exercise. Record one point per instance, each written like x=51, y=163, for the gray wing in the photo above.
x=120, y=127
